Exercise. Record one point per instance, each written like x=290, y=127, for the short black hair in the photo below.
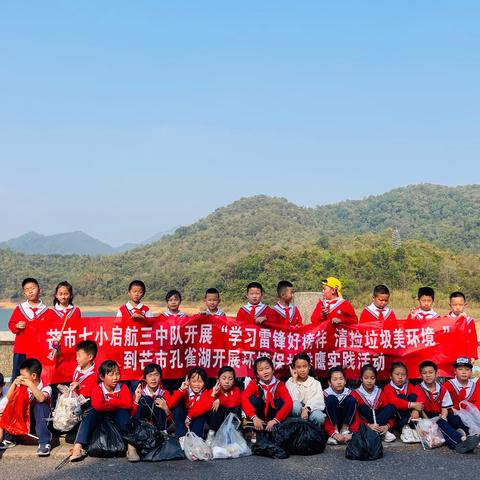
x=200, y=372
x=427, y=363
x=334, y=370
x=282, y=286
x=225, y=369
x=301, y=356
x=88, y=346
x=212, y=291
x=457, y=294
x=367, y=368
x=426, y=292
x=255, y=285
x=260, y=360
x=106, y=367
x=137, y=283
x=32, y=365
x=173, y=293
x=396, y=365
x=30, y=280
x=152, y=367
x=2, y=380
x=381, y=290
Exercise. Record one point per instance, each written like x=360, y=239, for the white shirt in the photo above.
x=28, y=312
x=309, y=393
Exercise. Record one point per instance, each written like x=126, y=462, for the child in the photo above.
x=373, y=406
x=266, y=400
x=224, y=398
x=184, y=399
x=285, y=311
x=174, y=300
x=108, y=398
x=437, y=401
x=254, y=311
x=134, y=308
x=458, y=305
x=333, y=307
x=401, y=394
x=424, y=311
x=212, y=301
x=306, y=391
x=20, y=323
x=63, y=302
x=151, y=400
x=378, y=310
x=341, y=408
x=39, y=396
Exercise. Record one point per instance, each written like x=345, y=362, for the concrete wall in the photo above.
x=6, y=352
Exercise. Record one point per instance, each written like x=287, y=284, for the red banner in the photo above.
x=212, y=342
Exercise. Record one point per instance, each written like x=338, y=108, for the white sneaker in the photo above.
x=332, y=441
x=407, y=435
x=389, y=437
x=210, y=437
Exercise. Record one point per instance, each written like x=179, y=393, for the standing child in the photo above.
x=373, y=406
x=401, y=394
x=134, y=308
x=306, y=391
x=255, y=311
x=424, y=311
x=286, y=313
x=174, y=300
x=341, y=408
x=333, y=307
x=458, y=307
x=378, y=310
x=212, y=301
x=22, y=321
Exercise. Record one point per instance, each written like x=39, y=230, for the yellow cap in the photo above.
x=334, y=283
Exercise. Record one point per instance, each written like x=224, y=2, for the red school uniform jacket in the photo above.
x=27, y=337
x=105, y=401
x=249, y=313
x=470, y=393
x=288, y=316
x=339, y=308
x=374, y=314
x=189, y=399
x=87, y=381
x=230, y=399
x=278, y=391
x=127, y=310
x=433, y=402
x=377, y=399
x=392, y=393
x=160, y=393
x=471, y=340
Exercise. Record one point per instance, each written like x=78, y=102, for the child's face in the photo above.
x=302, y=367
x=135, y=294
x=287, y=295
x=328, y=292
x=368, y=380
x=254, y=295
x=84, y=359
x=29, y=376
x=112, y=378
x=227, y=381
x=381, y=300
x=463, y=373
x=399, y=376
x=196, y=383
x=264, y=372
x=457, y=304
x=31, y=291
x=153, y=379
x=63, y=296
x=173, y=303
x=212, y=300
x=429, y=375
x=337, y=382
x=425, y=302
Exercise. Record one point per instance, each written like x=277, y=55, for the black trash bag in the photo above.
x=107, y=441
x=144, y=437
x=170, y=449
x=299, y=437
x=265, y=447
x=365, y=445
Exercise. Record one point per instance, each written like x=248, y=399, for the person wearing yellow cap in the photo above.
x=333, y=307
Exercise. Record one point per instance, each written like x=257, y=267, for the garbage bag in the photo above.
x=68, y=410
x=228, y=441
x=299, y=437
x=144, y=437
x=470, y=416
x=429, y=433
x=169, y=449
x=265, y=447
x=195, y=448
x=107, y=441
x=364, y=445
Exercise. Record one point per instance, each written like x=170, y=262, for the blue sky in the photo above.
x=123, y=119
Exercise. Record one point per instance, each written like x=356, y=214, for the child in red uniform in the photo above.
x=212, y=301
x=174, y=300
x=458, y=306
x=424, y=311
x=63, y=302
x=373, y=406
x=22, y=320
x=255, y=311
x=437, y=402
x=286, y=313
x=134, y=308
x=266, y=400
x=378, y=311
x=401, y=394
x=333, y=307
x=340, y=407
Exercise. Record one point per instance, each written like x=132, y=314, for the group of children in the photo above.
x=264, y=400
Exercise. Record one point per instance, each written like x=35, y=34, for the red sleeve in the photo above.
x=247, y=407
x=284, y=412
x=231, y=401
x=86, y=387
x=392, y=397
x=348, y=315
x=99, y=403
x=174, y=399
x=203, y=405
x=317, y=315
x=14, y=319
x=243, y=316
x=297, y=318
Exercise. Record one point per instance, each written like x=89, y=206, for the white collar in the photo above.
x=106, y=393
x=59, y=308
x=399, y=389
x=273, y=381
x=132, y=307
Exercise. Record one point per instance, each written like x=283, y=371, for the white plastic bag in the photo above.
x=195, y=448
x=429, y=433
x=68, y=411
x=470, y=416
x=228, y=441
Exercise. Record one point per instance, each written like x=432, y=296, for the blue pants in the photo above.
x=41, y=413
x=340, y=413
x=317, y=416
x=197, y=426
x=147, y=410
x=383, y=415
x=18, y=359
x=259, y=406
x=456, y=422
x=215, y=419
x=91, y=418
x=452, y=437
x=403, y=416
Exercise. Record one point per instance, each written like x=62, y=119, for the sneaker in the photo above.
x=407, y=435
x=6, y=444
x=210, y=437
x=332, y=441
x=389, y=437
x=43, y=450
x=468, y=445
x=462, y=433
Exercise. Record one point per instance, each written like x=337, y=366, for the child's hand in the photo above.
x=260, y=320
x=216, y=389
x=161, y=403
x=21, y=325
x=215, y=405
x=414, y=415
x=185, y=384
x=304, y=414
x=138, y=316
x=270, y=425
x=257, y=424
x=339, y=437
x=293, y=373
x=416, y=406
x=73, y=386
x=375, y=427
x=336, y=321
x=413, y=312
x=188, y=422
x=138, y=392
